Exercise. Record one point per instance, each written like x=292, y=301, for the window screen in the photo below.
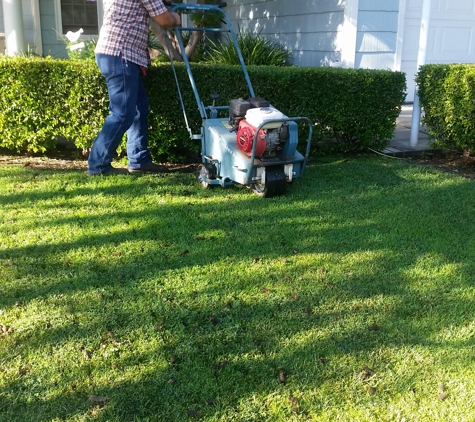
x=77, y=14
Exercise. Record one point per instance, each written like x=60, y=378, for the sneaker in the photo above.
x=111, y=172
x=149, y=168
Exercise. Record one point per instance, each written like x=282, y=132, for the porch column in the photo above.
x=13, y=23
x=421, y=60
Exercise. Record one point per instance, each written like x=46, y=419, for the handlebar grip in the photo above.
x=222, y=4
x=167, y=3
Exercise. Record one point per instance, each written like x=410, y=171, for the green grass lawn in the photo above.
x=148, y=298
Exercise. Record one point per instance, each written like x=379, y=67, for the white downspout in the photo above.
x=13, y=23
x=421, y=60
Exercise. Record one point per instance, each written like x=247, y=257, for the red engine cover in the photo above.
x=245, y=138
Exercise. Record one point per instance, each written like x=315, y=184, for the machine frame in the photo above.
x=223, y=163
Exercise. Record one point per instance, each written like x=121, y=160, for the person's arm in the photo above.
x=167, y=19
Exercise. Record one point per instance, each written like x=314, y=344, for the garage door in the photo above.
x=451, y=35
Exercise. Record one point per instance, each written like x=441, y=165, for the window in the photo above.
x=75, y=14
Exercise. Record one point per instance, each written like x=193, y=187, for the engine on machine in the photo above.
x=246, y=116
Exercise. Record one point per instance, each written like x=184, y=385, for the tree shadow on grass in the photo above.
x=296, y=296
x=232, y=358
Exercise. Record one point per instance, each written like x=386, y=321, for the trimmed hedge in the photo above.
x=447, y=95
x=42, y=99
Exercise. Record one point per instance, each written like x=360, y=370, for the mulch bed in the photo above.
x=450, y=162
x=72, y=163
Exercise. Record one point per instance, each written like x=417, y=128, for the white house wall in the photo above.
x=309, y=28
x=378, y=34
x=28, y=23
x=451, y=35
x=376, y=39
x=53, y=45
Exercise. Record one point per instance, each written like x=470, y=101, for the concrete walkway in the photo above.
x=400, y=145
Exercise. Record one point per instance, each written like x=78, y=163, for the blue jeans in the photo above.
x=128, y=106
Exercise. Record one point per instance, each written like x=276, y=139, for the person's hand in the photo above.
x=168, y=19
x=177, y=18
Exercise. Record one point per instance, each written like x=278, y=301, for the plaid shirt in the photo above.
x=125, y=29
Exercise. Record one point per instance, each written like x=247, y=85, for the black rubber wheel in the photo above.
x=204, y=173
x=275, y=185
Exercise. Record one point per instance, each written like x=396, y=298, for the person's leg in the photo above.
x=137, y=143
x=122, y=84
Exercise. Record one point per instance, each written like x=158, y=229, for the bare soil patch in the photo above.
x=451, y=162
x=72, y=163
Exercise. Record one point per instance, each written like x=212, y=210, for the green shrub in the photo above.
x=85, y=53
x=447, y=94
x=43, y=99
x=255, y=49
x=352, y=109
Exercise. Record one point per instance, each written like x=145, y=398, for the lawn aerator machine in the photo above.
x=255, y=145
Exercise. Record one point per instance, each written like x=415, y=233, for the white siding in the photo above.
x=52, y=44
x=308, y=28
x=28, y=24
x=451, y=35
x=314, y=29
x=377, y=34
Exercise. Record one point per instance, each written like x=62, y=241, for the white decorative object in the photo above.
x=77, y=46
x=74, y=36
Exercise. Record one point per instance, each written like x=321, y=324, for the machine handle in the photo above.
x=221, y=5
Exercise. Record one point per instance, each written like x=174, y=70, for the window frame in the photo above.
x=59, y=20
